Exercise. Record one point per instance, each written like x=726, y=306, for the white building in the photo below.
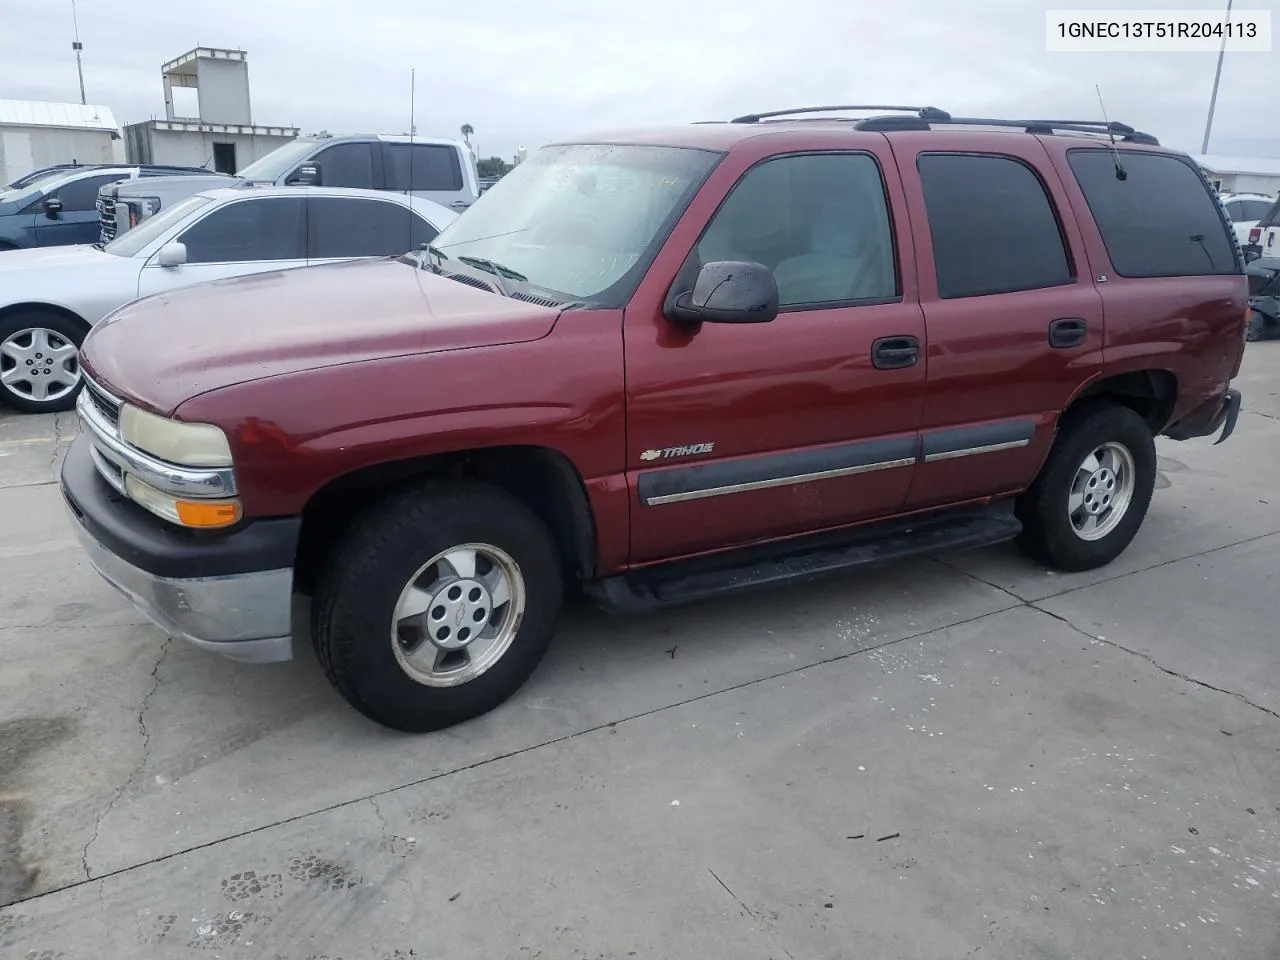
x=1241, y=174
x=35, y=133
x=222, y=136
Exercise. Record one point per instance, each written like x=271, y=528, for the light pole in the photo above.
x=77, y=46
x=1213, y=98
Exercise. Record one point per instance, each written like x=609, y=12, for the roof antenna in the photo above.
x=412, y=117
x=1120, y=172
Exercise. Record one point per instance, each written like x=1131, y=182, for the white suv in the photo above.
x=1244, y=210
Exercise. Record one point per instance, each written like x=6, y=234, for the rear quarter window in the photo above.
x=1160, y=221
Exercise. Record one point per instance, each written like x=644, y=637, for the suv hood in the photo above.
x=165, y=349
x=194, y=182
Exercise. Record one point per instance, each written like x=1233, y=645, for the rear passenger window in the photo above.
x=993, y=226
x=433, y=167
x=1160, y=221
x=820, y=222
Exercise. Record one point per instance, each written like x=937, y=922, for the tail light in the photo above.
x=1255, y=234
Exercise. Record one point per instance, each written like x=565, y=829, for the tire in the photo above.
x=1050, y=535
x=1257, y=329
x=21, y=336
x=371, y=660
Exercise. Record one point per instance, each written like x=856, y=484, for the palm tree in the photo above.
x=467, y=131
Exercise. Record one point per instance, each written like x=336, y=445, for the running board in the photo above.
x=804, y=560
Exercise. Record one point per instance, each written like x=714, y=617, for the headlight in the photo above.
x=186, y=444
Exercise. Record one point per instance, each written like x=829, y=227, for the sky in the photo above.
x=525, y=74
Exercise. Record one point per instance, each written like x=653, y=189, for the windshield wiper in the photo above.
x=498, y=270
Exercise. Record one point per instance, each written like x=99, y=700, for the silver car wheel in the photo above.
x=39, y=364
x=458, y=615
x=1101, y=491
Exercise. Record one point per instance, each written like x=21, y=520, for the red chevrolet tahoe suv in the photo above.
x=662, y=365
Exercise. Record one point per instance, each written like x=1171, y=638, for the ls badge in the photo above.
x=686, y=451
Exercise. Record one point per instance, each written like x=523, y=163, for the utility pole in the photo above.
x=1213, y=99
x=77, y=46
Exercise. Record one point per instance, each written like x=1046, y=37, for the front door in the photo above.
x=247, y=236
x=1015, y=324
x=77, y=221
x=739, y=433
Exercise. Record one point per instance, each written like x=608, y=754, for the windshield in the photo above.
x=128, y=244
x=278, y=162
x=25, y=194
x=581, y=221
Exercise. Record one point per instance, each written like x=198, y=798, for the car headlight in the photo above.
x=185, y=444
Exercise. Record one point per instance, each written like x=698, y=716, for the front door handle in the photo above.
x=1067, y=332
x=894, y=353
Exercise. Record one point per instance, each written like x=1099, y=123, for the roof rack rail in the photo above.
x=925, y=113
x=1097, y=127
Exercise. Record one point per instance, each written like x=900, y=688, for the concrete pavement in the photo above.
x=965, y=757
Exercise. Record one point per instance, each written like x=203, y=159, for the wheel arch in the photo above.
x=541, y=478
x=1150, y=393
x=36, y=306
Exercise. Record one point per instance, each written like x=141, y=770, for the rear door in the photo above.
x=1015, y=326
x=345, y=228
x=432, y=171
x=740, y=433
x=253, y=235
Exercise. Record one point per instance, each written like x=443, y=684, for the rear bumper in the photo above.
x=1210, y=418
x=231, y=595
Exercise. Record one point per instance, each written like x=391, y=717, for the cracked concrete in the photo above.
x=968, y=757
x=142, y=761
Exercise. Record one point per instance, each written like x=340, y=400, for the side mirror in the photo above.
x=172, y=254
x=307, y=175
x=729, y=291
x=52, y=207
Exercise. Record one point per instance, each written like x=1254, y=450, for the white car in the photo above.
x=1244, y=210
x=51, y=296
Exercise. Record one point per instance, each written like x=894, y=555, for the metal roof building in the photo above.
x=36, y=133
x=1242, y=174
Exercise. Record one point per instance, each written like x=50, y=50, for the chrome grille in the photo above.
x=103, y=402
x=106, y=220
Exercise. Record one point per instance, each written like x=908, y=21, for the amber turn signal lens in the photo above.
x=196, y=513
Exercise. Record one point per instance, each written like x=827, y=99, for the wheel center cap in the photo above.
x=1099, y=490
x=458, y=612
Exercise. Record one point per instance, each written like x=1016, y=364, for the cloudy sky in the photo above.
x=525, y=73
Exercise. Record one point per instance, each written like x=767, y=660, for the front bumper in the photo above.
x=1206, y=420
x=230, y=594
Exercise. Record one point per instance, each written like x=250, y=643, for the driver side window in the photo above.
x=264, y=228
x=820, y=222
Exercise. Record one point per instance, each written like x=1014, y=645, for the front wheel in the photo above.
x=40, y=361
x=1257, y=329
x=437, y=606
x=1092, y=495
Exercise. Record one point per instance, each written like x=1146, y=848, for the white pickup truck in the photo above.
x=443, y=171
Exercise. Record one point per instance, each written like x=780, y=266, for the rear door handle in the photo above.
x=894, y=353
x=1067, y=332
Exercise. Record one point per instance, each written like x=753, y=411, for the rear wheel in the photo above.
x=40, y=361
x=437, y=606
x=1093, y=492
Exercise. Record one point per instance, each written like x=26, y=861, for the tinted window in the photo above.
x=993, y=226
x=83, y=194
x=347, y=165
x=1252, y=210
x=434, y=167
x=351, y=227
x=269, y=228
x=819, y=222
x=1160, y=221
